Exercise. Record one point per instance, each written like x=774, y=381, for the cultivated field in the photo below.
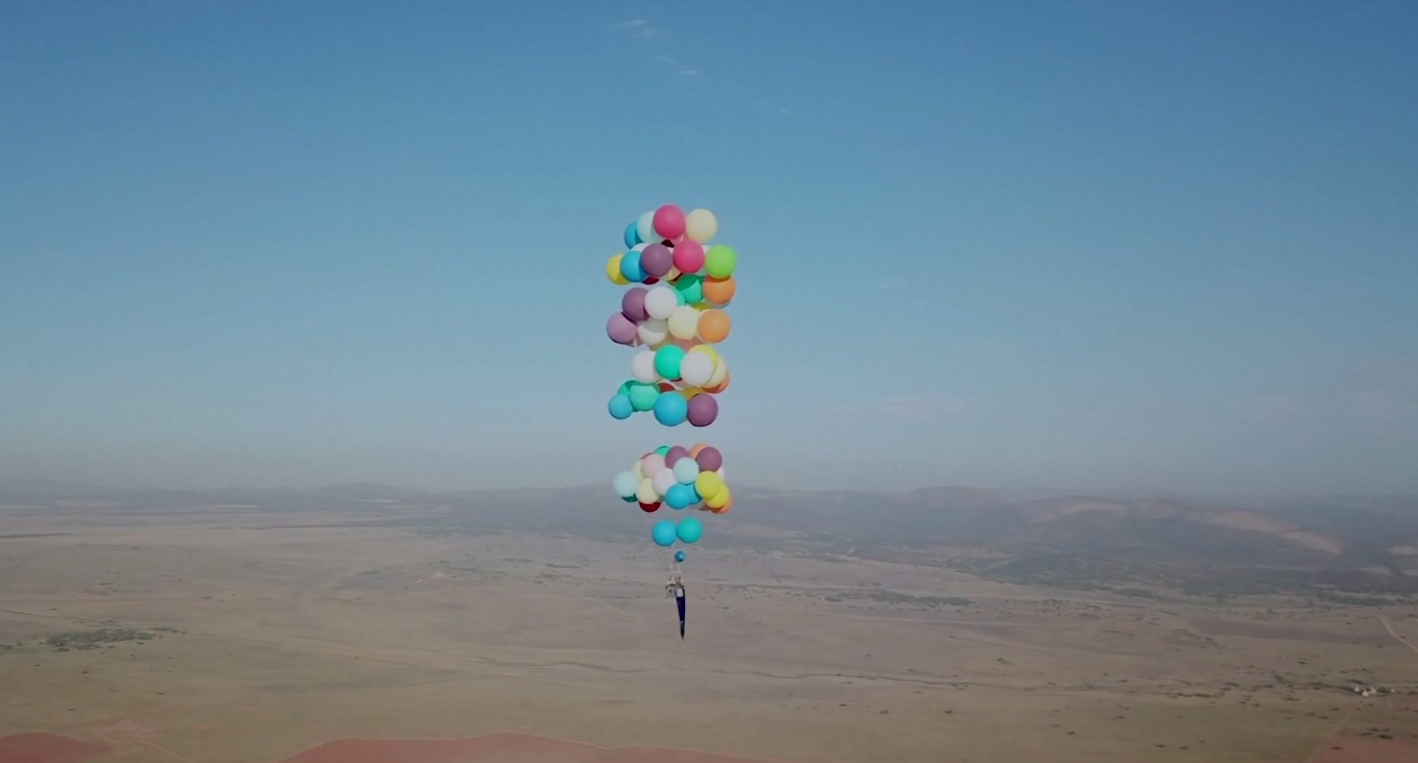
x=242, y=634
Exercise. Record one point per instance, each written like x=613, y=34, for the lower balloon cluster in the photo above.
x=680, y=478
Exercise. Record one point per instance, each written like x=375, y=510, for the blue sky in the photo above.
x=1085, y=244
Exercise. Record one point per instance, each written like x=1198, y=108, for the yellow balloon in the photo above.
x=639, y=475
x=707, y=484
x=613, y=271
x=720, y=499
x=690, y=392
x=707, y=350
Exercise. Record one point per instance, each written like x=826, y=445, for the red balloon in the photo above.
x=649, y=507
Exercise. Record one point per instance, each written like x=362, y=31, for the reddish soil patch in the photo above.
x=500, y=748
x=1366, y=750
x=47, y=748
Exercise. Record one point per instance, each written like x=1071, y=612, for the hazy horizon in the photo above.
x=1107, y=247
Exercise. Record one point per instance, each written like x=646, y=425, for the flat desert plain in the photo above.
x=232, y=634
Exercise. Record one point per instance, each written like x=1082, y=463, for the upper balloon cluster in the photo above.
x=667, y=244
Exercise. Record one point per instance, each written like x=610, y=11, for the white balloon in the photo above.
x=660, y=302
x=653, y=331
x=684, y=323
x=721, y=369
x=642, y=367
x=663, y=481
x=700, y=225
x=646, y=228
x=697, y=368
x=722, y=478
x=638, y=247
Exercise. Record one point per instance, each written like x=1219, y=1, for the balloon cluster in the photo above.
x=680, y=478
x=676, y=315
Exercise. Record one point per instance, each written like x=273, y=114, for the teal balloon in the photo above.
x=689, y=530
x=621, y=407
x=690, y=289
x=630, y=499
x=671, y=409
x=662, y=450
x=643, y=396
x=664, y=533
x=679, y=496
x=625, y=484
x=679, y=555
x=632, y=234
x=668, y=360
x=630, y=267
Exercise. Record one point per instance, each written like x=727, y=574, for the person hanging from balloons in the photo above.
x=675, y=588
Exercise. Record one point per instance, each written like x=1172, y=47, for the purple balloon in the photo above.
x=677, y=451
x=657, y=260
x=633, y=304
x=621, y=329
x=710, y=459
x=703, y=409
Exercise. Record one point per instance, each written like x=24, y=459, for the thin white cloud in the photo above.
x=640, y=29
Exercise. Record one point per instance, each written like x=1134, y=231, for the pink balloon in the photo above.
x=669, y=221
x=621, y=329
x=676, y=453
x=689, y=256
x=710, y=458
x=703, y=410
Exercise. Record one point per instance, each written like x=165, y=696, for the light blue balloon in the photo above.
x=671, y=409
x=689, y=530
x=686, y=470
x=679, y=497
x=632, y=234
x=620, y=407
x=630, y=267
x=679, y=555
x=664, y=533
x=625, y=484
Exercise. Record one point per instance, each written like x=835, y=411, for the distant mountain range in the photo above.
x=1066, y=538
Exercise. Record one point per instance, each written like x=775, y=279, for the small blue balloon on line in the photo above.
x=679, y=556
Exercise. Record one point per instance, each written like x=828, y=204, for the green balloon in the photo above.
x=663, y=449
x=720, y=261
x=642, y=396
x=625, y=388
x=690, y=289
x=667, y=362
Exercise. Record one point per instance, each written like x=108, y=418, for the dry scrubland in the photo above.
x=236, y=634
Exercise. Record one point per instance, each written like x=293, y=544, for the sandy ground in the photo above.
x=270, y=640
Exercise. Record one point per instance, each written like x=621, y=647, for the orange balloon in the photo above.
x=723, y=385
x=694, y=451
x=714, y=326
x=725, y=508
x=719, y=290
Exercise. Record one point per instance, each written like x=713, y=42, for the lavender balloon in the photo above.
x=633, y=304
x=621, y=329
x=710, y=459
x=657, y=260
x=703, y=409
x=679, y=451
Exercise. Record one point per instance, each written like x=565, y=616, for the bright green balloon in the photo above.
x=720, y=261
x=642, y=396
x=691, y=289
x=667, y=362
x=663, y=449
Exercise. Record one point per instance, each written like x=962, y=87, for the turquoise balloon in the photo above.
x=630, y=499
x=625, y=484
x=632, y=234
x=690, y=289
x=630, y=267
x=664, y=533
x=643, y=396
x=671, y=409
x=621, y=407
x=668, y=360
x=662, y=450
x=689, y=530
x=679, y=496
